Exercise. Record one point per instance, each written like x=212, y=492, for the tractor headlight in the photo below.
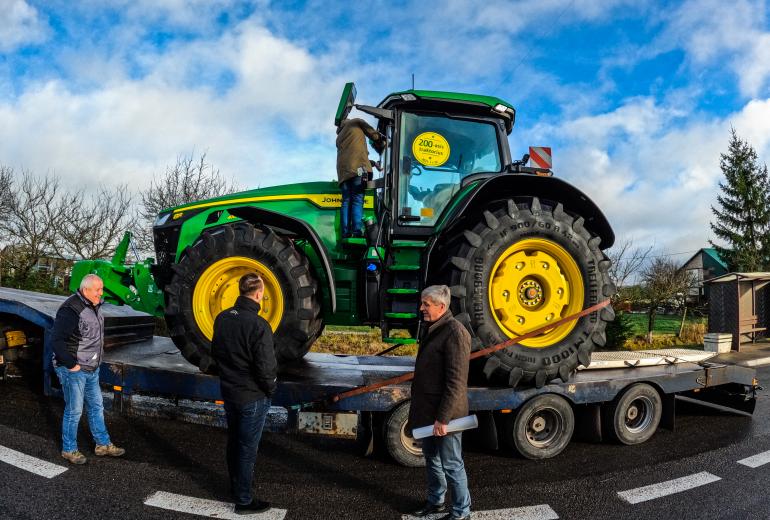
x=162, y=219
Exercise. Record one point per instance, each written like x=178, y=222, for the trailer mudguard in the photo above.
x=507, y=185
x=286, y=225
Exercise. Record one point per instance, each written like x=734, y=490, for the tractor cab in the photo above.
x=436, y=140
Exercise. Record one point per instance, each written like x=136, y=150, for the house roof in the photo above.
x=711, y=253
x=731, y=277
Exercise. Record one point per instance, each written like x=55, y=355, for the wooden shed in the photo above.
x=739, y=305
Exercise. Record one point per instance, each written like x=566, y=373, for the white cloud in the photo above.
x=20, y=25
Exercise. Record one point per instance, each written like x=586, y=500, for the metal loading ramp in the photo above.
x=646, y=358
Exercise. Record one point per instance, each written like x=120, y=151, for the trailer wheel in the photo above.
x=633, y=417
x=542, y=427
x=404, y=449
x=518, y=266
x=205, y=282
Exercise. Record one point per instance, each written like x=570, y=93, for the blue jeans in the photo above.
x=444, y=464
x=244, y=430
x=79, y=387
x=352, y=209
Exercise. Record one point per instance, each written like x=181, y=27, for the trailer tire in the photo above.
x=214, y=263
x=634, y=416
x=515, y=267
x=542, y=427
x=404, y=449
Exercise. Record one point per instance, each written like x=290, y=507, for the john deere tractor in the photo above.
x=518, y=247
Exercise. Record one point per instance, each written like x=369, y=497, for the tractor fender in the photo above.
x=295, y=228
x=510, y=185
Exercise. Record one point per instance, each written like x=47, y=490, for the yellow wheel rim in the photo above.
x=217, y=290
x=533, y=282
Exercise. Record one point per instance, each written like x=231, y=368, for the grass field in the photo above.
x=664, y=324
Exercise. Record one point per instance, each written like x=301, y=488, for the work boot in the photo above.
x=430, y=509
x=110, y=449
x=74, y=457
x=255, y=506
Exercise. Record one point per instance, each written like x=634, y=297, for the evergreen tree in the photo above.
x=742, y=220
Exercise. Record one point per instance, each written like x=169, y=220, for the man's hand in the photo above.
x=76, y=368
x=439, y=429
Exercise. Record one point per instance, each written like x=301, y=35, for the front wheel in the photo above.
x=205, y=283
x=403, y=448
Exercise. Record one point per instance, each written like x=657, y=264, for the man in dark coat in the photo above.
x=440, y=394
x=243, y=349
x=354, y=168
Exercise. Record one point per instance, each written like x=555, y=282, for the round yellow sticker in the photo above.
x=430, y=149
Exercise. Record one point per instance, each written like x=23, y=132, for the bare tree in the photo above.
x=662, y=282
x=29, y=226
x=627, y=261
x=187, y=181
x=92, y=226
x=6, y=192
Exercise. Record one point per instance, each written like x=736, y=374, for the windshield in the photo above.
x=435, y=154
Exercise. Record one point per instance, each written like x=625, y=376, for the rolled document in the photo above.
x=455, y=425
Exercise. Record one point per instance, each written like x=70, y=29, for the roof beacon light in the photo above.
x=501, y=108
x=408, y=97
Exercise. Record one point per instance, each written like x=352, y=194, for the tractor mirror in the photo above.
x=346, y=103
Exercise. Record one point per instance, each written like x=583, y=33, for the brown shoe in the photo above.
x=74, y=457
x=110, y=449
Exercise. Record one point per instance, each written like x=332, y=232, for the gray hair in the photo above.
x=88, y=281
x=438, y=294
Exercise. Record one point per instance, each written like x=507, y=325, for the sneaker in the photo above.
x=74, y=457
x=110, y=449
x=255, y=506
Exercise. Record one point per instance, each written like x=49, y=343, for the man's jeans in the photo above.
x=244, y=430
x=352, y=209
x=444, y=464
x=79, y=387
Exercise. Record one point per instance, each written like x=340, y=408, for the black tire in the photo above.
x=300, y=322
x=471, y=257
x=404, y=449
x=542, y=427
x=634, y=416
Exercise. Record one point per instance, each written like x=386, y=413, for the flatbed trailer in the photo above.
x=626, y=403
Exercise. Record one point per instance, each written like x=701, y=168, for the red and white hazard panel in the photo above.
x=540, y=157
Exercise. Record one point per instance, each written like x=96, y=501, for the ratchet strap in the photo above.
x=483, y=352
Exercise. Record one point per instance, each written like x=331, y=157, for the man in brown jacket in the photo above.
x=440, y=394
x=353, y=170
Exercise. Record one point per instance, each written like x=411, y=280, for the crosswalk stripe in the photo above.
x=756, y=460
x=669, y=487
x=540, y=512
x=204, y=507
x=29, y=463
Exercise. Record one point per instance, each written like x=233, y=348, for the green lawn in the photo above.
x=664, y=324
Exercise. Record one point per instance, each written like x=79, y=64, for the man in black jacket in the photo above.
x=243, y=349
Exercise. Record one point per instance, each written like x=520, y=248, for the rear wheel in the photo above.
x=205, y=283
x=542, y=427
x=519, y=267
x=634, y=416
x=403, y=448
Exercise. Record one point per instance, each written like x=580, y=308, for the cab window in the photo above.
x=435, y=154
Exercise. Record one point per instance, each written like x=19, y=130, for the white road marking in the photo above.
x=662, y=489
x=756, y=460
x=203, y=507
x=541, y=512
x=31, y=464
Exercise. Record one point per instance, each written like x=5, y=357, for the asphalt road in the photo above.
x=311, y=477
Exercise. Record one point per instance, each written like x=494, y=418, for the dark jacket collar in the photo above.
x=440, y=322
x=247, y=304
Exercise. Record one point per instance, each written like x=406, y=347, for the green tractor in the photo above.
x=518, y=247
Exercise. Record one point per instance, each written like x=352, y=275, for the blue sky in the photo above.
x=636, y=98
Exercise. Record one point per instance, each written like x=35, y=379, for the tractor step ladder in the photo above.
x=402, y=283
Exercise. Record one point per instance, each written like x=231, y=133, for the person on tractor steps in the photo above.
x=354, y=168
x=440, y=394
x=242, y=346
x=78, y=348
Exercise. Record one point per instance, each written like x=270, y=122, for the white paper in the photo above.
x=455, y=425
